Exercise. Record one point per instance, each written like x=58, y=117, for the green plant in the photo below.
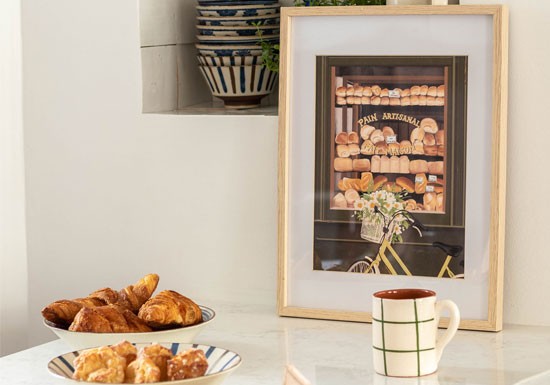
x=270, y=50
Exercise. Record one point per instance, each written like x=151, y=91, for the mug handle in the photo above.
x=451, y=329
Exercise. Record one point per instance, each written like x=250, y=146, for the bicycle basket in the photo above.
x=372, y=229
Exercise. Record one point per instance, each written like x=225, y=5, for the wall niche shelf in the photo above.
x=171, y=80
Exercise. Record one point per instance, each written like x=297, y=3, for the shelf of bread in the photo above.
x=416, y=95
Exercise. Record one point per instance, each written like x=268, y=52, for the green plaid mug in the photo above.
x=405, y=341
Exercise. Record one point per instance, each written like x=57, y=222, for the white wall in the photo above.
x=13, y=258
x=113, y=194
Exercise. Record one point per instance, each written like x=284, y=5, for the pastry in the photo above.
x=384, y=92
x=366, y=183
x=126, y=350
x=341, y=100
x=351, y=196
x=393, y=149
x=379, y=181
x=142, y=371
x=62, y=312
x=101, y=365
x=404, y=164
x=418, y=166
x=375, y=100
x=375, y=163
x=384, y=101
x=365, y=100
x=440, y=137
x=191, y=363
x=423, y=90
x=405, y=183
x=417, y=134
x=350, y=90
x=441, y=91
x=405, y=147
x=406, y=93
x=169, y=308
x=430, y=201
x=429, y=125
x=343, y=164
x=387, y=131
x=418, y=148
x=384, y=164
x=377, y=136
x=341, y=91
x=415, y=90
x=376, y=90
x=362, y=164
x=436, y=168
x=429, y=139
x=342, y=151
x=341, y=138
x=432, y=91
x=394, y=164
x=339, y=201
x=108, y=319
x=367, y=91
x=354, y=149
x=159, y=355
x=367, y=148
x=406, y=101
x=420, y=183
x=366, y=131
x=381, y=148
x=353, y=137
x=422, y=100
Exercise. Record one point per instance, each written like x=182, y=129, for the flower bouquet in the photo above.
x=373, y=222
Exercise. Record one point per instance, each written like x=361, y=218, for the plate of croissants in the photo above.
x=140, y=363
x=107, y=316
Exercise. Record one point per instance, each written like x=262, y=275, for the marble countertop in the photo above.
x=330, y=353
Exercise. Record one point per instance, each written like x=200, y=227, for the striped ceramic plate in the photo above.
x=221, y=362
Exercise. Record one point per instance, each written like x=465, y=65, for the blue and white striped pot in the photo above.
x=224, y=30
x=229, y=50
x=238, y=10
x=240, y=87
x=239, y=21
x=229, y=60
x=221, y=363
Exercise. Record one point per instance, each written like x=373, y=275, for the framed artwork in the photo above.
x=392, y=158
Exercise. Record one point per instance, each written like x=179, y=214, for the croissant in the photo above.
x=170, y=309
x=108, y=319
x=62, y=312
x=135, y=295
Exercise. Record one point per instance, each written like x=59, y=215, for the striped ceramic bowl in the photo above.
x=83, y=340
x=236, y=2
x=230, y=30
x=236, y=40
x=229, y=50
x=221, y=363
x=239, y=21
x=238, y=10
x=229, y=60
x=240, y=87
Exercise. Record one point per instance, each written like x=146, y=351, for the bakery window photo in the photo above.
x=390, y=165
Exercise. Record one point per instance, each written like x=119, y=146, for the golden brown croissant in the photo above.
x=108, y=319
x=62, y=312
x=107, y=294
x=135, y=295
x=170, y=309
x=188, y=364
x=102, y=365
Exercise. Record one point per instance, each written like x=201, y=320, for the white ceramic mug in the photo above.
x=405, y=340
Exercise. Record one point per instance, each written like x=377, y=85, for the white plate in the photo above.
x=221, y=362
x=83, y=340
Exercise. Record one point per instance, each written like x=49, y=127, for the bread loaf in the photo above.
x=420, y=183
x=422, y=100
x=384, y=92
x=395, y=102
x=404, y=164
x=436, y=168
x=441, y=91
x=367, y=148
x=405, y=183
x=441, y=150
x=357, y=99
x=367, y=91
x=376, y=90
x=375, y=163
x=343, y=164
x=362, y=164
x=439, y=101
x=430, y=101
x=353, y=137
x=394, y=164
x=350, y=99
x=381, y=148
x=393, y=149
x=432, y=91
x=415, y=90
x=341, y=91
x=440, y=137
x=354, y=149
x=429, y=125
x=430, y=150
x=405, y=147
x=351, y=196
x=358, y=90
x=424, y=90
x=430, y=201
x=418, y=148
x=384, y=101
x=406, y=101
x=406, y=93
x=366, y=131
x=341, y=100
x=365, y=100
x=384, y=164
x=350, y=90
x=377, y=136
x=414, y=100
x=379, y=181
x=418, y=166
x=342, y=150
x=387, y=131
x=375, y=100
x=440, y=202
x=410, y=204
x=417, y=134
x=348, y=183
x=341, y=138
x=429, y=139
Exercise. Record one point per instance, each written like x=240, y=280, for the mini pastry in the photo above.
x=384, y=92
x=414, y=100
x=191, y=363
x=415, y=90
x=405, y=93
x=410, y=204
x=395, y=102
x=430, y=150
x=357, y=90
x=422, y=100
x=439, y=101
x=342, y=150
x=430, y=101
x=350, y=99
x=341, y=100
x=441, y=150
x=350, y=90
x=367, y=148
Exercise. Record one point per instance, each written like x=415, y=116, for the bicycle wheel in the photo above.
x=365, y=266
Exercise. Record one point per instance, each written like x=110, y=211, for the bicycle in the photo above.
x=368, y=265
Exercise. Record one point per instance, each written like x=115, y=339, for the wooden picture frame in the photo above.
x=314, y=41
